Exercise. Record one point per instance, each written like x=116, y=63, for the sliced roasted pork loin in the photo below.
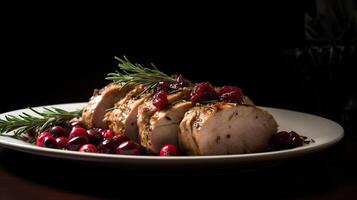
x=163, y=127
x=123, y=118
x=100, y=102
x=225, y=128
x=147, y=109
x=149, y=118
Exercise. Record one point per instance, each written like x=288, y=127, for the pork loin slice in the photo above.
x=225, y=128
x=123, y=118
x=100, y=102
x=147, y=109
x=163, y=127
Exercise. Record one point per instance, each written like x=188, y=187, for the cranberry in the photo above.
x=107, y=134
x=163, y=85
x=179, y=83
x=286, y=140
x=168, y=150
x=230, y=93
x=203, y=92
x=61, y=142
x=295, y=139
x=88, y=148
x=106, y=146
x=280, y=137
x=160, y=100
x=40, y=138
x=59, y=131
x=78, y=131
x=128, y=148
x=76, y=142
x=95, y=136
x=49, y=142
x=120, y=138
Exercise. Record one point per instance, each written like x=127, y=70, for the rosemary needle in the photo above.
x=40, y=122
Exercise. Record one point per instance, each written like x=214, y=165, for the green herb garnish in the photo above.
x=40, y=122
x=130, y=73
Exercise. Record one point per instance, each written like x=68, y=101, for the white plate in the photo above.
x=325, y=133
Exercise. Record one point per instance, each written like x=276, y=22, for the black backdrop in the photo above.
x=60, y=54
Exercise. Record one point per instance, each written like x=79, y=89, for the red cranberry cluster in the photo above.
x=76, y=138
x=159, y=99
x=73, y=136
x=206, y=92
x=200, y=93
x=203, y=92
x=230, y=94
x=286, y=140
x=169, y=86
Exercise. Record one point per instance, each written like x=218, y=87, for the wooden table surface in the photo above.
x=329, y=174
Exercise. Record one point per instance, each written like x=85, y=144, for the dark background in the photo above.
x=59, y=55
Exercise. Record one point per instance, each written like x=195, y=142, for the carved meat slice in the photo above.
x=225, y=128
x=147, y=110
x=100, y=102
x=123, y=118
x=163, y=127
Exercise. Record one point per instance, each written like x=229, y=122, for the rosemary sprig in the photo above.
x=130, y=73
x=25, y=122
